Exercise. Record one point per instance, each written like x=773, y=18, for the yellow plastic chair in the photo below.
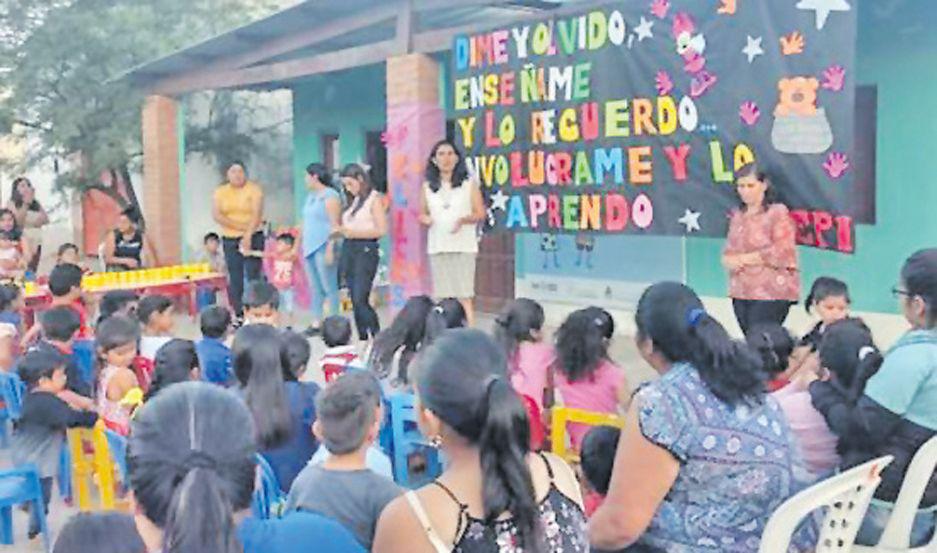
x=94, y=470
x=563, y=415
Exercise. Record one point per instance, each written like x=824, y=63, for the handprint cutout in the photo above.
x=792, y=44
x=834, y=78
x=749, y=113
x=836, y=165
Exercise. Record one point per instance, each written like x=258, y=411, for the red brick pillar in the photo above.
x=161, y=174
x=415, y=121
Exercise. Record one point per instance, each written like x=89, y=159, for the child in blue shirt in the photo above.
x=214, y=356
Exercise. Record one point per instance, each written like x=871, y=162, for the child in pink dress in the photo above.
x=116, y=344
x=519, y=331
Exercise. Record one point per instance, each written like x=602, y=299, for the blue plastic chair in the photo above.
x=267, y=492
x=117, y=446
x=408, y=440
x=12, y=390
x=65, y=474
x=83, y=351
x=17, y=486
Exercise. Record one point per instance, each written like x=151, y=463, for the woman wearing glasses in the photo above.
x=898, y=411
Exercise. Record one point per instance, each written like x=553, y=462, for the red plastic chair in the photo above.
x=537, y=431
x=143, y=368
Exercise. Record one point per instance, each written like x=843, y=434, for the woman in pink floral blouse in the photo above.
x=761, y=253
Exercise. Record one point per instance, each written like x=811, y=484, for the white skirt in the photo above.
x=453, y=275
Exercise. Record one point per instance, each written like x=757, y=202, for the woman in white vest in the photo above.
x=452, y=207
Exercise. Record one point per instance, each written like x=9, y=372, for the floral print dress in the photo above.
x=562, y=525
x=738, y=463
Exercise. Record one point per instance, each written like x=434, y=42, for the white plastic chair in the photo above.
x=846, y=498
x=897, y=534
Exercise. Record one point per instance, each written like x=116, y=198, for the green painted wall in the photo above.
x=349, y=104
x=897, y=54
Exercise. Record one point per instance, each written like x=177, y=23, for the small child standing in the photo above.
x=343, y=488
x=340, y=354
x=214, y=355
x=261, y=304
x=155, y=314
x=280, y=263
x=12, y=262
x=116, y=345
x=39, y=433
x=212, y=253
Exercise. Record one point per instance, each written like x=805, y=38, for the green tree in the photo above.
x=61, y=60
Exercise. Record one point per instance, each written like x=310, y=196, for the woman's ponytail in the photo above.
x=504, y=445
x=733, y=372
x=199, y=519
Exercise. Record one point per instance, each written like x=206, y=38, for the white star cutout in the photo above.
x=499, y=200
x=644, y=29
x=823, y=8
x=753, y=49
x=690, y=220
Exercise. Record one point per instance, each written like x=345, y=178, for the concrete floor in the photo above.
x=623, y=351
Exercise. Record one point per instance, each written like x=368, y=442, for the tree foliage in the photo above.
x=61, y=63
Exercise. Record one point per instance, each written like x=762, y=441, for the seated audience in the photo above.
x=39, y=433
x=401, y=340
x=65, y=287
x=897, y=413
x=214, y=355
x=59, y=328
x=192, y=467
x=447, y=314
x=597, y=458
x=11, y=305
x=342, y=487
x=175, y=362
x=519, y=331
x=696, y=441
x=116, y=346
x=493, y=493
x=295, y=352
x=106, y=532
x=261, y=304
x=340, y=354
x=155, y=313
x=118, y=302
x=283, y=409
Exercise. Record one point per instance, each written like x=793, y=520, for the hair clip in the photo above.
x=693, y=316
x=439, y=309
x=865, y=352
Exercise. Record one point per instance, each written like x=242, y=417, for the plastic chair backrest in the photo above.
x=117, y=448
x=537, y=430
x=84, y=358
x=28, y=490
x=82, y=468
x=563, y=415
x=143, y=368
x=103, y=466
x=846, y=498
x=12, y=389
x=897, y=534
x=406, y=438
x=266, y=490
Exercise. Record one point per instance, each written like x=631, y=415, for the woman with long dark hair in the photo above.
x=703, y=438
x=761, y=253
x=124, y=248
x=238, y=209
x=321, y=217
x=451, y=206
x=494, y=493
x=897, y=413
x=364, y=222
x=404, y=335
x=30, y=217
x=283, y=408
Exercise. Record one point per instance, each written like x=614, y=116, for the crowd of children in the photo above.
x=321, y=443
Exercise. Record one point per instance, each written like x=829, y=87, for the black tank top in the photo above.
x=127, y=247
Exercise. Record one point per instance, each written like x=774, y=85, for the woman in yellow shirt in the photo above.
x=238, y=209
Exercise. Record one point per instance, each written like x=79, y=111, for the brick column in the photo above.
x=415, y=121
x=161, y=174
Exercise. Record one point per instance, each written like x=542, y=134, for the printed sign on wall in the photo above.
x=634, y=117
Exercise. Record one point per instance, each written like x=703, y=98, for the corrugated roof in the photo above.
x=313, y=14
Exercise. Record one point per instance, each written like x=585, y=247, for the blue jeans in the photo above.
x=877, y=517
x=324, y=281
